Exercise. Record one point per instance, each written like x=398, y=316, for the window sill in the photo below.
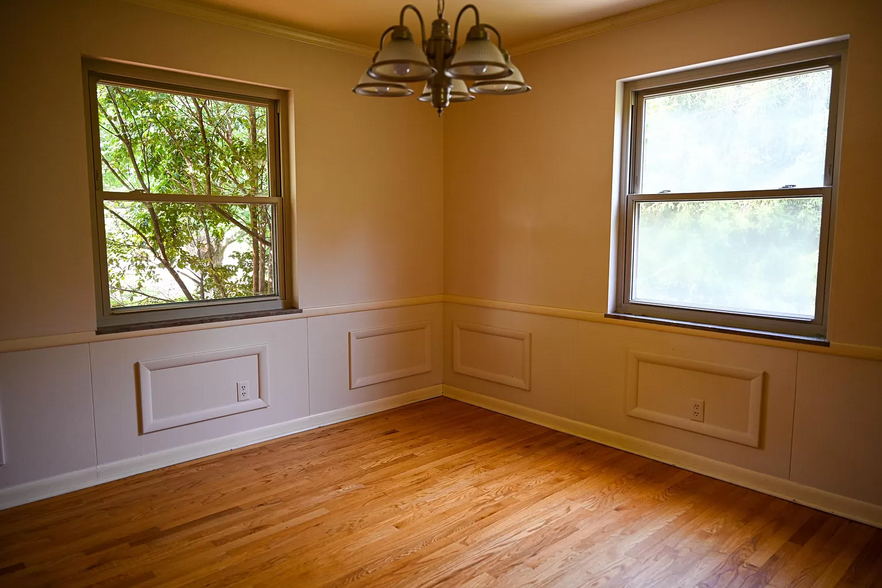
x=819, y=341
x=199, y=320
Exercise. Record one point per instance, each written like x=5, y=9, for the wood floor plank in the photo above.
x=434, y=494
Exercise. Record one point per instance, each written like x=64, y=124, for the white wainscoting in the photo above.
x=208, y=378
x=389, y=353
x=661, y=388
x=48, y=423
x=490, y=353
x=836, y=432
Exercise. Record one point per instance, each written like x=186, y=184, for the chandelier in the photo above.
x=439, y=63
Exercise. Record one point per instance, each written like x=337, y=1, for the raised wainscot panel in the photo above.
x=389, y=353
x=661, y=389
x=48, y=423
x=493, y=354
x=187, y=389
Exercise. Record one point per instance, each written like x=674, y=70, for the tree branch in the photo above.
x=134, y=228
x=145, y=295
x=163, y=259
x=245, y=228
x=123, y=181
x=126, y=139
x=205, y=144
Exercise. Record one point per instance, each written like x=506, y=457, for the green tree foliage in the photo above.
x=162, y=143
x=756, y=135
x=757, y=256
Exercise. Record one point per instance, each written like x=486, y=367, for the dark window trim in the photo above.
x=195, y=312
x=816, y=56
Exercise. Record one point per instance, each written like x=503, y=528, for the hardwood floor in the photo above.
x=436, y=493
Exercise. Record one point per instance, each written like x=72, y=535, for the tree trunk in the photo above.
x=256, y=247
x=255, y=285
x=125, y=137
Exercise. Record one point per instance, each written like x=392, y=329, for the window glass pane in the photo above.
x=165, y=143
x=748, y=256
x=162, y=252
x=762, y=134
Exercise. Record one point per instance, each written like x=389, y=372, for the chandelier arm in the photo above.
x=419, y=16
x=498, y=36
x=383, y=39
x=459, y=16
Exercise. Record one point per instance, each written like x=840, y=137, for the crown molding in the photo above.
x=187, y=8
x=224, y=17
x=616, y=21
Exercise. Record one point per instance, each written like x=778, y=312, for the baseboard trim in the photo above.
x=48, y=487
x=64, y=483
x=850, y=508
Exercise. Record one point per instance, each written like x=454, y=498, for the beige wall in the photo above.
x=524, y=216
x=369, y=228
x=529, y=179
x=529, y=191
x=368, y=172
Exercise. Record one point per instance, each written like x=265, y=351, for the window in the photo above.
x=188, y=188
x=728, y=193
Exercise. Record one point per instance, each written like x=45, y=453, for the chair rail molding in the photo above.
x=63, y=339
x=835, y=348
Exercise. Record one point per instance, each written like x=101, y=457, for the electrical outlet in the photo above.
x=697, y=410
x=243, y=393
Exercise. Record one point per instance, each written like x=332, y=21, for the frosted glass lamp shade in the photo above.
x=459, y=92
x=400, y=60
x=478, y=59
x=512, y=84
x=368, y=86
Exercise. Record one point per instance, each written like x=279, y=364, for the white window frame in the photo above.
x=635, y=92
x=275, y=101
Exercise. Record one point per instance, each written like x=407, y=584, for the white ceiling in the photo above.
x=362, y=21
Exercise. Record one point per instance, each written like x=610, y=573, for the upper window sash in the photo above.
x=103, y=74
x=639, y=97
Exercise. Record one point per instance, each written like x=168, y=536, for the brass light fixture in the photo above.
x=439, y=63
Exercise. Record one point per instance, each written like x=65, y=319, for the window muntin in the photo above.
x=188, y=197
x=748, y=272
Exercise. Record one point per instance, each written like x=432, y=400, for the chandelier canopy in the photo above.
x=439, y=63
